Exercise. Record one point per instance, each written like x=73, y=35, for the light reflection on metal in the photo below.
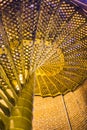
x=44, y=38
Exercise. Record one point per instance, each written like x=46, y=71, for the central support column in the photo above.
x=21, y=116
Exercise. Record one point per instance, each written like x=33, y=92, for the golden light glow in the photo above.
x=43, y=51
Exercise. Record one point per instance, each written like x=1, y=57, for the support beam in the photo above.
x=21, y=117
x=68, y=120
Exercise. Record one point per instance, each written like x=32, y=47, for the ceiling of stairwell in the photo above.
x=48, y=37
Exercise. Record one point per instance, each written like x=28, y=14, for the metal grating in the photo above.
x=47, y=38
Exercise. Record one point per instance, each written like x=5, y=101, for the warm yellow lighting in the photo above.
x=21, y=78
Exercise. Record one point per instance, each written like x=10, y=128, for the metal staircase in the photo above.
x=43, y=46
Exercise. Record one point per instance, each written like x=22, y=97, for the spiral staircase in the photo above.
x=43, y=52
